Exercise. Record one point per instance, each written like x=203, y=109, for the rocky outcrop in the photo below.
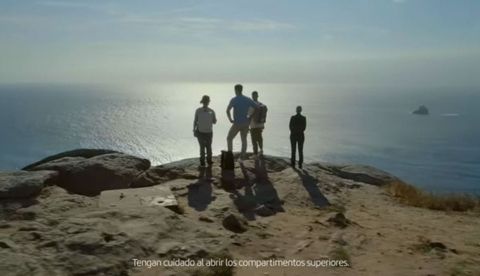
x=270, y=211
x=421, y=110
x=24, y=184
x=90, y=176
x=70, y=235
x=85, y=153
x=365, y=174
x=89, y=171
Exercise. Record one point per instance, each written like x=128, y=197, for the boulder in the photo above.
x=90, y=176
x=58, y=164
x=23, y=184
x=339, y=220
x=84, y=153
x=235, y=224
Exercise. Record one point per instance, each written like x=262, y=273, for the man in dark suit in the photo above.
x=298, y=124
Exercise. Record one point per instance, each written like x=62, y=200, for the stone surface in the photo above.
x=234, y=223
x=291, y=214
x=84, y=153
x=159, y=195
x=23, y=184
x=90, y=176
x=339, y=220
x=159, y=174
x=92, y=240
x=365, y=174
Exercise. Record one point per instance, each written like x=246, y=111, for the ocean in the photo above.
x=369, y=125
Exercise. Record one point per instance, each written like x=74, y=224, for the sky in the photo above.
x=334, y=42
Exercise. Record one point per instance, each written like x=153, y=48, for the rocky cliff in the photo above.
x=92, y=212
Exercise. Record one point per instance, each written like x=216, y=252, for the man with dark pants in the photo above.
x=202, y=129
x=257, y=124
x=298, y=124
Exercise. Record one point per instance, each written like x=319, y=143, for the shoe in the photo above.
x=300, y=166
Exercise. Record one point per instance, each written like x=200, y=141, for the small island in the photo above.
x=421, y=110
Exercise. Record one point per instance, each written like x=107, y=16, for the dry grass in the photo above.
x=340, y=254
x=413, y=196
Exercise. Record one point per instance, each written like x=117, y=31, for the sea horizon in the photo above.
x=363, y=125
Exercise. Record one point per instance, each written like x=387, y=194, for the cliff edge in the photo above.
x=94, y=212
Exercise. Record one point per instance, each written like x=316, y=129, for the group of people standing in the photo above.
x=248, y=115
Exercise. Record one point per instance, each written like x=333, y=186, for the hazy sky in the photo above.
x=415, y=42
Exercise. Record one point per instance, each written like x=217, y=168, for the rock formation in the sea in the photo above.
x=421, y=110
x=92, y=212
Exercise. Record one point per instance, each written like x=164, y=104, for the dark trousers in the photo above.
x=297, y=139
x=205, y=142
x=257, y=139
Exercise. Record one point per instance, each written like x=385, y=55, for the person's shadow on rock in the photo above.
x=311, y=185
x=260, y=196
x=200, y=192
x=245, y=203
x=261, y=172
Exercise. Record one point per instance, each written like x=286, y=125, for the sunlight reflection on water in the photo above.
x=155, y=121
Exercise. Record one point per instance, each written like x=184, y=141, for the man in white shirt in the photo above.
x=203, y=129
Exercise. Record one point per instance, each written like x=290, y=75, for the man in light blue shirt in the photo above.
x=240, y=121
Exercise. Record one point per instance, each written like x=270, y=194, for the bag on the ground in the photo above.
x=228, y=170
x=226, y=160
x=261, y=116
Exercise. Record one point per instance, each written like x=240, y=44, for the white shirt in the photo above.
x=205, y=118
